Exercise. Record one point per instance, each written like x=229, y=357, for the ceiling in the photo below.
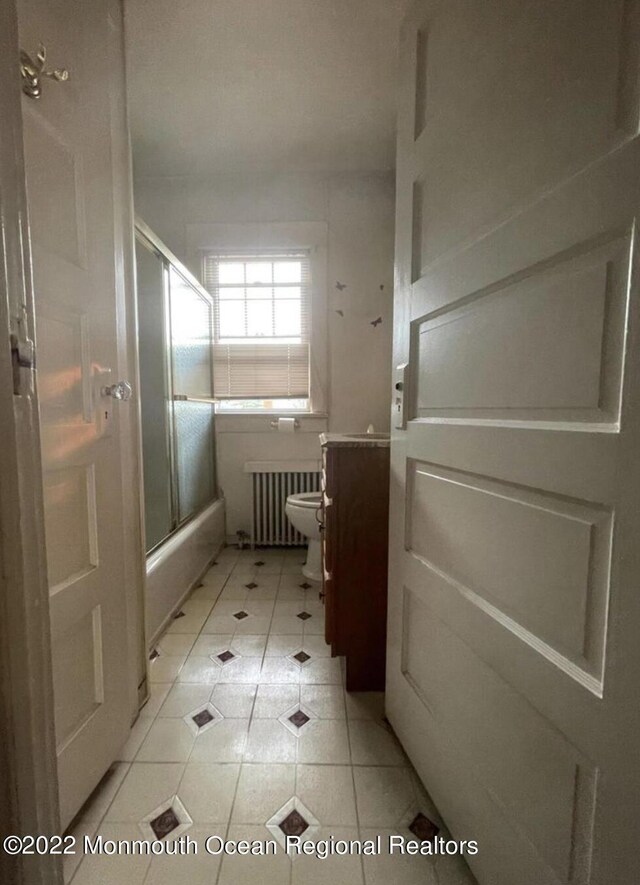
x=219, y=86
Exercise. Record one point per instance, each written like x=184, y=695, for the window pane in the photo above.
x=230, y=272
x=259, y=319
x=234, y=292
x=284, y=405
x=287, y=292
x=260, y=292
x=287, y=316
x=259, y=272
x=287, y=271
x=231, y=319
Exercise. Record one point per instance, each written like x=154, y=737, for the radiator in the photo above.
x=272, y=483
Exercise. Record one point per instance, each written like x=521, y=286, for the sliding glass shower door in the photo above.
x=175, y=322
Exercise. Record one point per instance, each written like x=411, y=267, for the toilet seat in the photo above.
x=307, y=500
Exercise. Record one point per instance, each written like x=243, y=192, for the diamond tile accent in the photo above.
x=293, y=819
x=301, y=657
x=305, y=586
x=259, y=563
x=240, y=616
x=204, y=717
x=178, y=615
x=165, y=823
x=423, y=828
x=293, y=824
x=299, y=718
x=225, y=656
x=304, y=616
x=251, y=585
x=296, y=719
x=171, y=817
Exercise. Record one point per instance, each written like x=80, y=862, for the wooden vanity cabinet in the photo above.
x=355, y=517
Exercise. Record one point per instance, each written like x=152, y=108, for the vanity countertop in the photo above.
x=356, y=440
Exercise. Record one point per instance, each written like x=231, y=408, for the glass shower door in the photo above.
x=175, y=322
x=191, y=314
x=154, y=394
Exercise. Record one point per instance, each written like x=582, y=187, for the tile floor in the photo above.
x=248, y=733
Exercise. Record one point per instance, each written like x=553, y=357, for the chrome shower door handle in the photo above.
x=121, y=390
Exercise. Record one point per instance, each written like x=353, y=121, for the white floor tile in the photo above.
x=191, y=623
x=207, y=791
x=176, y=643
x=453, y=871
x=165, y=668
x=372, y=744
x=145, y=787
x=248, y=766
x=365, y=705
x=316, y=646
x=250, y=645
x=324, y=741
x=384, y=795
x=347, y=868
x=235, y=701
x=286, y=624
x=262, y=789
x=103, y=795
x=279, y=671
x=270, y=741
x=207, y=643
x=321, y=670
x=327, y=790
x=194, y=869
x=326, y=701
x=246, y=670
x=209, y=592
x=158, y=691
x=267, y=870
x=185, y=697
x=199, y=670
x=136, y=736
x=103, y=869
x=401, y=869
x=225, y=742
x=273, y=700
x=280, y=645
x=168, y=740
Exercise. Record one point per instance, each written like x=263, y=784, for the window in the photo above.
x=261, y=328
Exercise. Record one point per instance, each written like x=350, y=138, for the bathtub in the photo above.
x=178, y=565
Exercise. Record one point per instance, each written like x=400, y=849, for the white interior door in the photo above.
x=69, y=166
x=514, y=657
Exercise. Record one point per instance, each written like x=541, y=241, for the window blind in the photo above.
x=261, y=323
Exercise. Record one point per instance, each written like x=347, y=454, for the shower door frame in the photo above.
x=146, y=236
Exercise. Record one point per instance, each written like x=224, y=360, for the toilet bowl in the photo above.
x=302, y=510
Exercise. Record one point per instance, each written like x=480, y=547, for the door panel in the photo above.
x=513, y=658
x=70, y=185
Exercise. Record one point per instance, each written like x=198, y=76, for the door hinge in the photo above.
x=23, y=361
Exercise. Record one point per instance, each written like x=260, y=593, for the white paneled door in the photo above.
x=69, y=157
x=514, y=650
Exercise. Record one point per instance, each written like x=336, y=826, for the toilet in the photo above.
x=303, y=512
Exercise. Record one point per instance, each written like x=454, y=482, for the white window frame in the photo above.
x=268, y=237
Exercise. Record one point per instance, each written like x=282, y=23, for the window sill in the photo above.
x=269, y=413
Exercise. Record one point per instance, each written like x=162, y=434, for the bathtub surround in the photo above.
x=177, y=566
x=358, y=211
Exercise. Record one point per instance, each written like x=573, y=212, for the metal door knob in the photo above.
x=121, y=390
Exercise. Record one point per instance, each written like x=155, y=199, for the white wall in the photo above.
x=359, y=212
